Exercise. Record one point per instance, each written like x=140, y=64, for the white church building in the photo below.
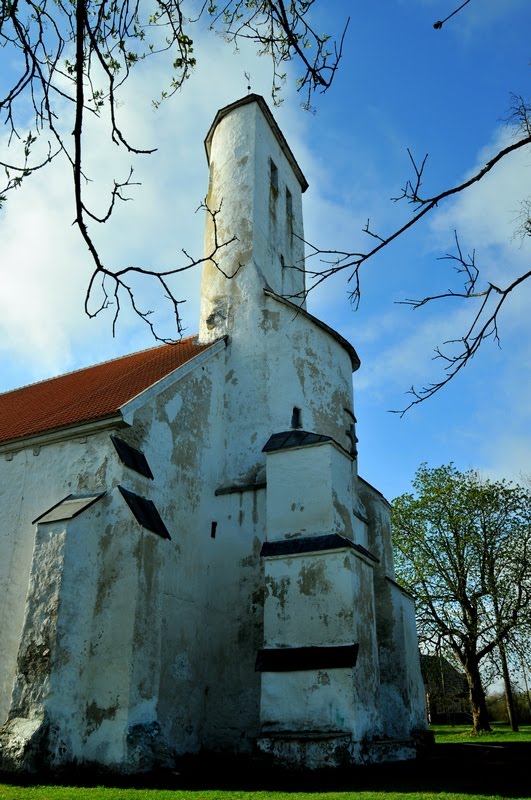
x=189, y=561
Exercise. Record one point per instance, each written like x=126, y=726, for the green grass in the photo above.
x=461, y=734
x=106, y=793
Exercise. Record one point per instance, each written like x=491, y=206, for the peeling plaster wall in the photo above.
x=211, y=584
x=317, y=378
x=276, y=359
x=252, y=207
x=91, y=608
x=134, y=646
x=321, y=600
x=415, y=686
x=403, y=703
x=309, y=491
x=86, y=636
x=164, y=630
x=32, y=480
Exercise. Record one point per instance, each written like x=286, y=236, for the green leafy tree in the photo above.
x=463, y=548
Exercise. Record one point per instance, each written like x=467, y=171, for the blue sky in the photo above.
x=401, y=85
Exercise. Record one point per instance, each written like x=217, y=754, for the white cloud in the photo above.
x=44, y=264
x=402, y=350
x=487, y=212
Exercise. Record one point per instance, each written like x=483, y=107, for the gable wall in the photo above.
x=138, y=583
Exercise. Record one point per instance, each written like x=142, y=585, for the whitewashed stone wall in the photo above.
x=123, y=648
x=33, y=479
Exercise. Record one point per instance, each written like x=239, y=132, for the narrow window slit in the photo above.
x=213, y=528
x=296, y=418
x=289, y=212
x=273, y=175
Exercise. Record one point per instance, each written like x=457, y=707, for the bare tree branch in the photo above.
x=488, y=298
x=438, y=25
x=81, y=54
x=282, y=30
x=115, y=284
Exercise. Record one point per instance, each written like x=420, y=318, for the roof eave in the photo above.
x=75, y=431
x=121, y=417
x=354, y=358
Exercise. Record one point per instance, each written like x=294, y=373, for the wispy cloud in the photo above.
x=45, y=266
x=488, y=212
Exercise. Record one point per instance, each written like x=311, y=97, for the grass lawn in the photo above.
x=501, y=732
x=493, y=766
x=106, y=793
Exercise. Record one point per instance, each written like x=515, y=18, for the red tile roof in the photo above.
x=89, y=394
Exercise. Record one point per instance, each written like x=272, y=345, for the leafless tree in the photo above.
x=80, y=54
x=485, y=298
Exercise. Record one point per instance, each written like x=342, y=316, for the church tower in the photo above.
x=288, y=438
x=255, y=194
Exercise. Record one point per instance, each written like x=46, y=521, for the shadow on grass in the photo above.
x=490, y=769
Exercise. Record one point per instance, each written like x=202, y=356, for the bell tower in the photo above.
x=255, y=191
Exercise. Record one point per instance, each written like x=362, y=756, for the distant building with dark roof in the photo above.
x=447, y=694
x=188, y=559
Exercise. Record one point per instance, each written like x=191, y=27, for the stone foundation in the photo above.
x=334, y=750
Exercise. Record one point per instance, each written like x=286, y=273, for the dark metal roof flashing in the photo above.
x=312, y=544
x=293, y=438
x=296, y=659
x=286, y=440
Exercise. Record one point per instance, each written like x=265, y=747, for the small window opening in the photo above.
x=351, y=433
x=273, y=175
x=131, y=457
x=289, y=212
x=145, y=512
x=296, y=418
x=213, y=528
x=289, y=204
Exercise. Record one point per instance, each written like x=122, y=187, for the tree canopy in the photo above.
x=463, y=548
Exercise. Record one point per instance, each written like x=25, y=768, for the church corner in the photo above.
x=189, y=561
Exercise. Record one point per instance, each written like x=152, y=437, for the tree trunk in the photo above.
x=509, y=697
x=528, y=693
x=476, y=694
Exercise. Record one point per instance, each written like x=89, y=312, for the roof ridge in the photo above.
x=93, y=392
x=98, y=364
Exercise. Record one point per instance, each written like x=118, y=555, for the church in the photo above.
x=189, y=560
